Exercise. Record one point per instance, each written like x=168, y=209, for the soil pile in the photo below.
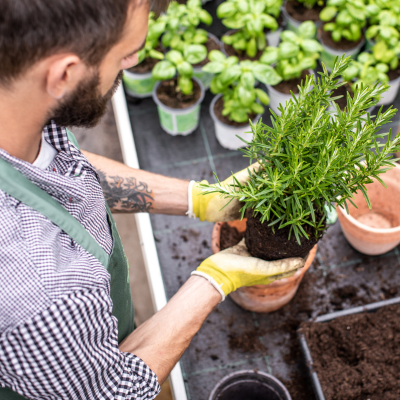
x=358, y=356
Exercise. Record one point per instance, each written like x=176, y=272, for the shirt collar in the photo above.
x=57, y=137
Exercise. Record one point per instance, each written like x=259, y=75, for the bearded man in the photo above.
x=66, y=315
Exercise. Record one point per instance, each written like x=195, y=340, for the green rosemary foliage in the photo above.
x=312, y=156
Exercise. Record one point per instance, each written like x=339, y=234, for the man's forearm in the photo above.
x=161, y=341
x=132, y=190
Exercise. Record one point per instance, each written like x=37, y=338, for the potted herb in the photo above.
x=298, y=11
x=248, y=20
x=376, y=67
x=293, y=60
x=342, y=32
x=138, y=80
x=382, y=26
x=181, y=30
x=274, y=8
x=178, y=98
x=307, y=160
x=237, y=100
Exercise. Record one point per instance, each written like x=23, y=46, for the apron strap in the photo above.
x=21, y=188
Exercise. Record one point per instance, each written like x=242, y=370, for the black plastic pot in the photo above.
x=373, y=307
x=249, y=385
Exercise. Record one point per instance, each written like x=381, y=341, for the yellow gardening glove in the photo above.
x=234, y=267
x=209, y=207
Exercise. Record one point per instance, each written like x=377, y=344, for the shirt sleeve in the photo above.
x=70, y=351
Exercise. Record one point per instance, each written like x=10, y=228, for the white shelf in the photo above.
x=145, y=230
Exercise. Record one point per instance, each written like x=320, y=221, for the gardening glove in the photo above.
x=234, y=267
x=212, y=207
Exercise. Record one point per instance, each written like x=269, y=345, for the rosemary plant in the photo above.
x=310, y=157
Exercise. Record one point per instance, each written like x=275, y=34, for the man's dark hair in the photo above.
x=31, y=30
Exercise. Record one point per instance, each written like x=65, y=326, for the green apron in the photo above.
x=18, y=186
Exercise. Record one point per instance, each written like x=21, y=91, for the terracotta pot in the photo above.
x=375, y=231
x=263, y=298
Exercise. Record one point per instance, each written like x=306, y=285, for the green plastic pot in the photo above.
x=138, y=85
x=179, y=121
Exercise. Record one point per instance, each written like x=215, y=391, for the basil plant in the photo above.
x=250, y=19
x=386, y=29
x=180, y=63
x=366, y=71
x=311, y=3
x=181, y=21
x=236, y=81
x=155, y=30
x=296, y=52
x=345, y=19
x=273, y=7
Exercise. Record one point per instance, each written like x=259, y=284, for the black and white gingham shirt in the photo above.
x=58, y=339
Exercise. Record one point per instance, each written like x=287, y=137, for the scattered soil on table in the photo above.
x=248, y=341
x=168, y=94
x=262, y=242
x=291, y=84
x=219, y=106
x=358, y=356
x=393, y=74
x=146, y=65
x=211, y=44
x=241, y=55
x=342, y=91
x=301, y=13
x=342, y=44
x=230, y=236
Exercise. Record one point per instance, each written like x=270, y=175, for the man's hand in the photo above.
x=210, y=207
x=233, y=268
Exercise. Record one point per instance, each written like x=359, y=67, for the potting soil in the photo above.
x=291, y=84
x=229, y=236
x=219, y=106
x=270, y=243
x=342, y=44
x=301, y=13
x=171, y=97
x=393, y=74
x=339, y=278
x=358, y=356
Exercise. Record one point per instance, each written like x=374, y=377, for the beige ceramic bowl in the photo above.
x=375, y=231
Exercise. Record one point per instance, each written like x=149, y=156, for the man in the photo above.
x=66, y=318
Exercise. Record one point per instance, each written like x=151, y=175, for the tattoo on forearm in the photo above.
x=126, y=194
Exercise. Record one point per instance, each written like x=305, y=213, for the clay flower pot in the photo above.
x=263, y=298
x=375, y=231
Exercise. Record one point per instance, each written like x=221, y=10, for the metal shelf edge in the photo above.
x=145, y=230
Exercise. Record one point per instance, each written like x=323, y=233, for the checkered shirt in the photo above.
x=58, y=339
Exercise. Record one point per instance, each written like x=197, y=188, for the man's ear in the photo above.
x=64, y=72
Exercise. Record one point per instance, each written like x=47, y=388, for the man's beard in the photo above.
x=85, y=106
